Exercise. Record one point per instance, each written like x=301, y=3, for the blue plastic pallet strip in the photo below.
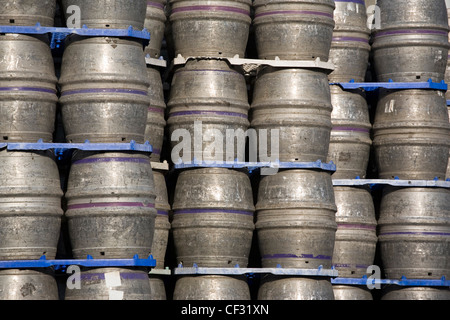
x=371, y=86
x=402, y=282
x=60, y=148
x=392, y=182
x=59, y=33
x=256, y=165
x=88, y=262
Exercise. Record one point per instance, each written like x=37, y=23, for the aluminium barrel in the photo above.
x=295, y=288
x=104, y=90
x=350, y=47
x=155, y=23
x=350, y=139
x=211, y=287
x=27, y=12
x=356, y=238
x=212, y=28
x=162, y=224
x=299, y=114
x=212, y=222
x=411, y=134
x=293, y=29
x=27, y=284
x=295, y=219
x=416, y=293
x=412, y=42
x=28, y=95
x=414, y=232
x=110, y=205
x=208, y=102
x=156, y=123
x=30, y=205
x=351, y=292
x=111, y=283
x=102, y=14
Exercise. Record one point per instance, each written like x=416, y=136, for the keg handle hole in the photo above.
x=102, y=253
x=5, y=137
x=417, y=77
x=12, y=21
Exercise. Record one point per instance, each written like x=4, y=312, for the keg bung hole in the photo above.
x=102, y=253
x=430, y=273
x=123, y=139
x=306, y=261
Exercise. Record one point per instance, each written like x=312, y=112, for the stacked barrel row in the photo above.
x=113, y=198
x=212, y=223
x=104, y=97
x=447, y=93
x=411, y=141
x=31, y=212
x=295, y=208
x=350, y=145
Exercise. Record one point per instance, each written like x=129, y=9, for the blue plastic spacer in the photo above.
x=60, y=33
x=372, y=86
x=60, y=148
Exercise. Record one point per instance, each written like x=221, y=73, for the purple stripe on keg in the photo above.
x=417, y=233
x=125, y=276
x=155, y=4
x=52, y=91
x=357, y=226
x=287, y=255
x=111, y=159
x=190, y=211
x=105, y=90
x=212, y=8
x=350, y=129
x=316, y=13
x=219, y=113
x=410, y=31
x=354, y=39
x=156, y=110
x=354, y=1
x=209, y=70
x=110, y=204
x=162, y=212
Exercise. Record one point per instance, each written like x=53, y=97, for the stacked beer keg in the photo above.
x=110, y=195
x=350, y=144
x=213, y=207
x=447, y=93
x=155, y=21
x=411, y=140
x=30, y=214
x=295, y=209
